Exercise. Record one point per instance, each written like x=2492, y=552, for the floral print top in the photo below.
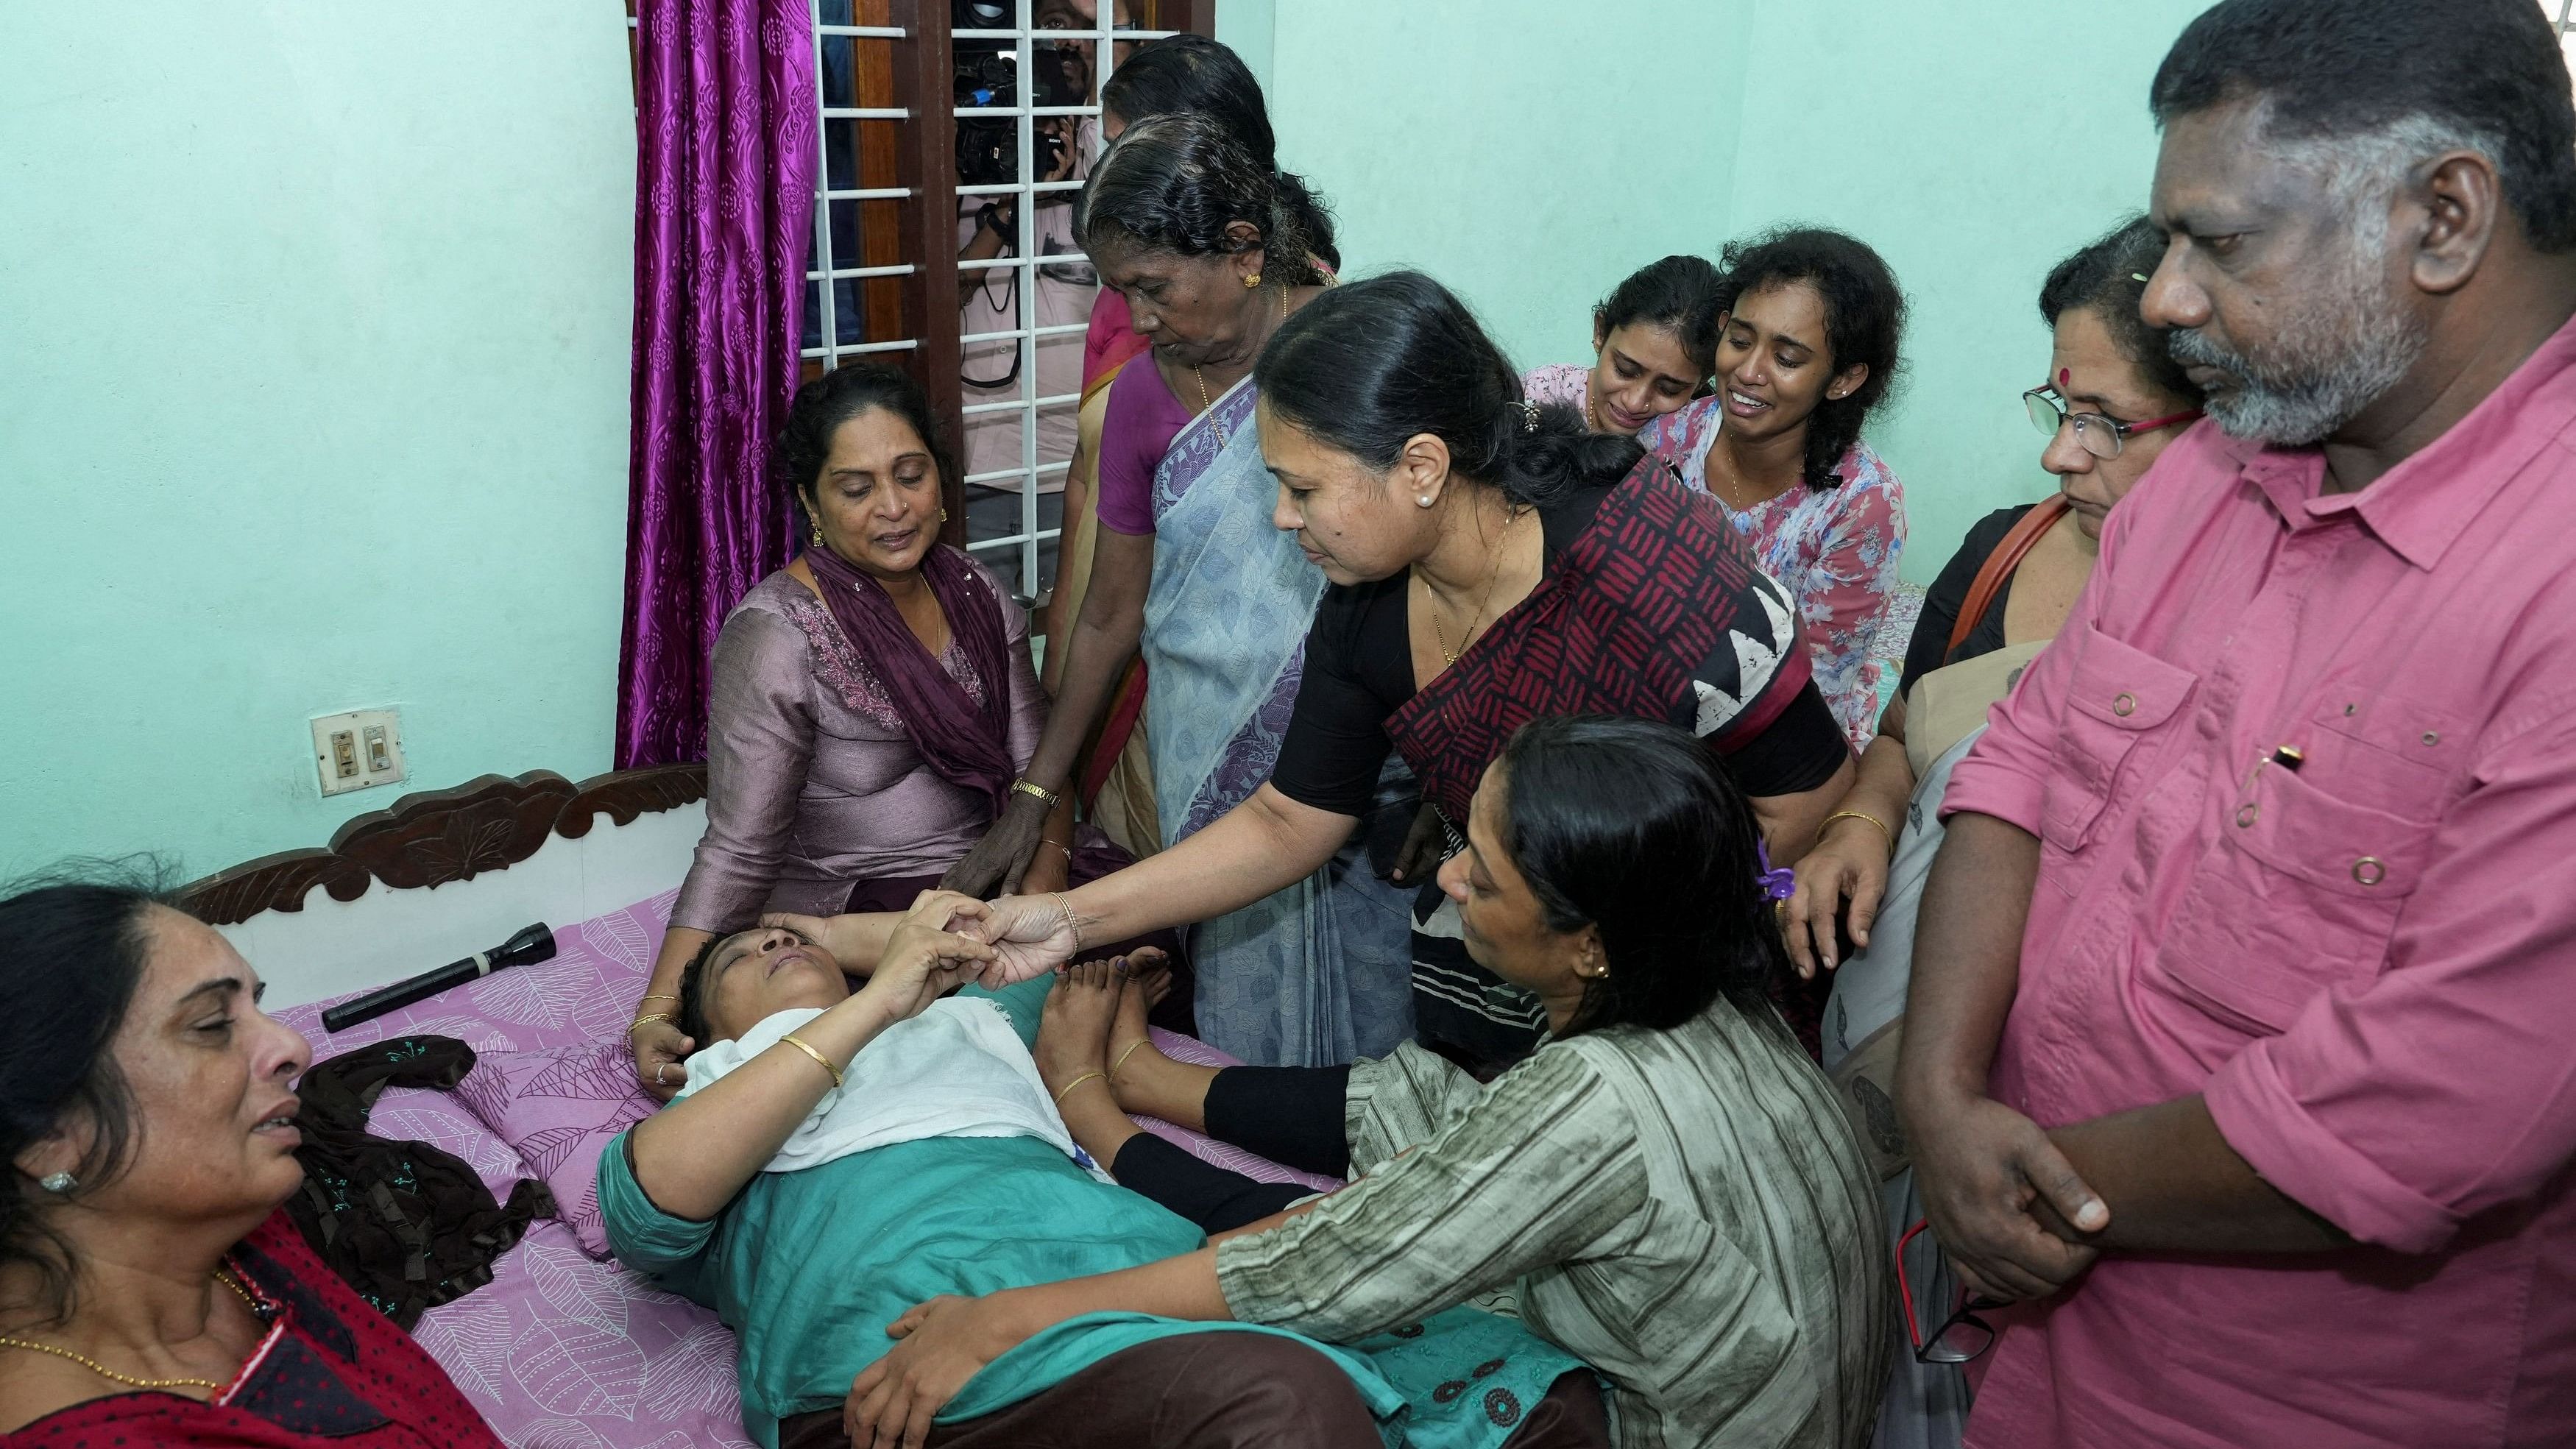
x=1834, y=550
x=1558, y=382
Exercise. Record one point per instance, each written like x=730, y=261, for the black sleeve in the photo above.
x=1799, y=750
x=1929, y=649
x=1337, y=740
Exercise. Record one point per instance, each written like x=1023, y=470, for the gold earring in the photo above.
x=943, y=513
x=1252, y=281
x=816, y=538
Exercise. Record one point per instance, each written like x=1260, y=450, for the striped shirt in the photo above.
x=1685, y=1209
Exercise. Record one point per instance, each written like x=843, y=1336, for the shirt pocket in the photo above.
x=2300, y=893
x=2117, y=696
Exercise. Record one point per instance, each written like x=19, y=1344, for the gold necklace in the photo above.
x=1207, y=404
x=1589, y=415
x=103, y=1371
x=1492, y=578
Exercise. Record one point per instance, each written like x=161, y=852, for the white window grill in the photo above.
x=1025, y=313
x=1022, y=315
x=2564, y=12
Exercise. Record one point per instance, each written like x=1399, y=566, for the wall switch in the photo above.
x=357, y=750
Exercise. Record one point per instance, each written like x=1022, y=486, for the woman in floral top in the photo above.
x=1806, y=347
x=1654, y=341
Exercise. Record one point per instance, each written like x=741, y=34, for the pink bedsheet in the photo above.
x=561, y=1351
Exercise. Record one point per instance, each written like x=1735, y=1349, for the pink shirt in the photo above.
x=2367, y=964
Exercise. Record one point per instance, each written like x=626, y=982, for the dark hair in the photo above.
x=1679, y=292
x=1175, y=182
x=1864, y=323
x=1631, y=826
x=2488, y=69
x=1368, y=365
x=1188, y=72
x=73, y=945
x=691, y=1018
x=821, y=406
x=2108, y=277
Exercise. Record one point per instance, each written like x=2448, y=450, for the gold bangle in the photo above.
x=820, y=1060
x=648, y=1021
x=1857, y=815
x=1078, y=1081
x=659, y=996
x=1069, y=917
x=1047, y=796
x=1060, y=845
x=1115, y=1066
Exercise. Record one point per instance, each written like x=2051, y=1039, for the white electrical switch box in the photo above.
x=356, y=750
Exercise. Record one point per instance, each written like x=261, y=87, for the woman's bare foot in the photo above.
x=1149, y=980
x=1073, y=1031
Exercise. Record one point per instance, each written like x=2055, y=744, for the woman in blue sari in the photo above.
x=1213, y=251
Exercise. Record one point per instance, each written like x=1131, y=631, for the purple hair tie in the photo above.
x=1777, y=885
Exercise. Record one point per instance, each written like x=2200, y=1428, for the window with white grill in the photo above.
x=954, y=136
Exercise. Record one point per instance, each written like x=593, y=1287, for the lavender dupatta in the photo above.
x=724, y=198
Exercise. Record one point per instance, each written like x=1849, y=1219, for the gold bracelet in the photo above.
x=820, y=1060
x=1067, y=849
x=1114, y=1067
x=648, y=1021
x=1046, y=796
x=1076, y=1082
x=1857, y=815
x=1069, y=918
x=659, y=996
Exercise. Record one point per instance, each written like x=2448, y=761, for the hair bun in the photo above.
x=1554, y=455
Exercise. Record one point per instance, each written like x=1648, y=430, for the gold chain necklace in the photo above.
x=103, y=1371
x=1207, y=404
x=1589, y=415
x=1468, y=638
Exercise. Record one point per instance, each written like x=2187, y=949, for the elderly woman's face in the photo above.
x=207, y=1072
x=1350, y=519
x=1499, y=915
x=1193, y=310
x=758, y=974
x=2092, y=375
x=878, y=497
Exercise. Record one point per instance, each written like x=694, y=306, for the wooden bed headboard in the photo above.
x=420, y=882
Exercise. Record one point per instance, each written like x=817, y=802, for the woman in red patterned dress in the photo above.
x=152, y=1292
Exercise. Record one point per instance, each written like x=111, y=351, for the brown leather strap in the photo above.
x=1999, y=566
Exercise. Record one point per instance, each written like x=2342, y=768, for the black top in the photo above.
x=1359, y=671
x=1929, y=649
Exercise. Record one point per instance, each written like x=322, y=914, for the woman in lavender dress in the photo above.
x=874, y=704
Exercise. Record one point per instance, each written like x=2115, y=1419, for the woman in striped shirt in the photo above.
x=1666, y=1186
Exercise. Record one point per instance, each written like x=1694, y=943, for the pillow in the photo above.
x=557, y=1108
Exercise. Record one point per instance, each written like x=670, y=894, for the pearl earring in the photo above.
x=58, y=1183
x=1425, y=502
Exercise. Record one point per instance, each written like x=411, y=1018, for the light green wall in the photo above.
x=1531, y=153
x=313, y=372
x=1974, y=144
x=1528, y=153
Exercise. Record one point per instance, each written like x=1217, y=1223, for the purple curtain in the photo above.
x=724, y=202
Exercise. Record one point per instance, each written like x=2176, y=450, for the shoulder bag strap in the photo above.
x=1999, y=566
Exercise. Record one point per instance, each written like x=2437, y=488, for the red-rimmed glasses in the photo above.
x=2100, y=433
x=1961, y=1336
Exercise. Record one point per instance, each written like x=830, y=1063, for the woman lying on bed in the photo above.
x=1668, y=1182
x=838, y=1156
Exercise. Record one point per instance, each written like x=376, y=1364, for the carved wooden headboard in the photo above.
x=438, y=836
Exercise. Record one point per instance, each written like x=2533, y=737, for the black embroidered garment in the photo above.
x=407, y=1225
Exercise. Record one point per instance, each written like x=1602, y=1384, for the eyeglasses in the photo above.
x=2100, y=433
x=1962, y=1336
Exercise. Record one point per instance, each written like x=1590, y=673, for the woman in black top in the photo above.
x=1491, y=562
x=2113, y=399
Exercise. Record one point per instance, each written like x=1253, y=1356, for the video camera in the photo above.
x=987, y=73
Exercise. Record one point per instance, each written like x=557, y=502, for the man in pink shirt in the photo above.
x=2242, y=1037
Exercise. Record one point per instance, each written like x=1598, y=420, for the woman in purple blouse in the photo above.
x=874, y=703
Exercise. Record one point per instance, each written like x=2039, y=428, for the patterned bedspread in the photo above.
x=562, y=1350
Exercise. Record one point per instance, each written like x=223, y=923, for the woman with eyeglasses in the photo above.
x=2113, y=399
